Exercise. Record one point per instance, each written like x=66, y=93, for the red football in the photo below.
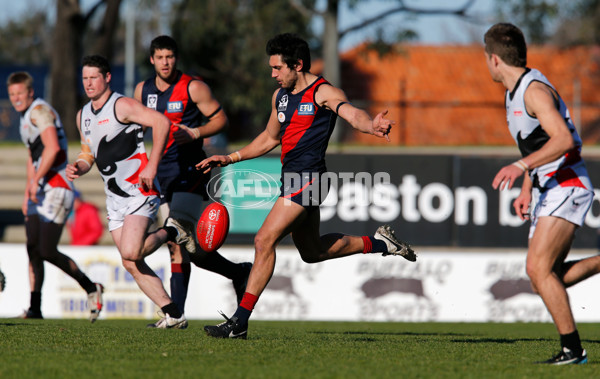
x=213, y=227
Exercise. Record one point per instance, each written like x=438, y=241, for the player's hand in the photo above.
x=505, y=178
x=32, y=189
x=382, y=126
x=521, y=205
x=24, y=205
x=185, y=135
x=146, y=178
x=214, y=161
x=72, y=171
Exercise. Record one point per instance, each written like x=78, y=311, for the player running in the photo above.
x=48, y=194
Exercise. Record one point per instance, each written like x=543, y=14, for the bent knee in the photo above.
x=129, y=257
x=129, y=264
x=263, y=242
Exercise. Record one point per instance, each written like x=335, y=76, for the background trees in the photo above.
x=223, y=40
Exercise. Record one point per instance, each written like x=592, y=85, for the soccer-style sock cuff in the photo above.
x=181, y=268
x=248, y=301
x=180, y=279
x=368, y=245
x=373, y=245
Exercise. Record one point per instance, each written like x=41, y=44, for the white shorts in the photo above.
x=119, y=207
x=569, y=203
x=54, y=205
x=183, y=206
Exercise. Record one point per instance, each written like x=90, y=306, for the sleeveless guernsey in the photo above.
x=568, y=170
x=118, y=149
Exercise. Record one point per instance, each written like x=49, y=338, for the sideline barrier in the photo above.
x=432, y=200
x=443, y=285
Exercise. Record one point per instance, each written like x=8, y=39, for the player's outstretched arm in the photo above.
x=336, y=100
x=262, y=144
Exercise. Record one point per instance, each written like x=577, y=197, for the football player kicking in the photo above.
x=303, y=114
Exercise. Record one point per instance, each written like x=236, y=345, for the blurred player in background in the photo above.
x=185, y=101
x=111, y=137
x=304, y=111
x=85, y=225
x=556, y=193
x=48, y=195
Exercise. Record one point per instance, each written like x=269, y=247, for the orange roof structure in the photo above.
x=443, y=95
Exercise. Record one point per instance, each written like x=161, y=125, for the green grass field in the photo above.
x=126, y=349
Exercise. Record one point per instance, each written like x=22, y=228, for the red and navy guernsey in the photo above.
x=305, y=129
x=176, y=104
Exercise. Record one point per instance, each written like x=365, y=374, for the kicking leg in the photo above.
x=316, y=248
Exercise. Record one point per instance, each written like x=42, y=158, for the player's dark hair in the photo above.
x=97, y=61
x=508, y=42
x=292, y=49
x=20, y=77
x=163, y=43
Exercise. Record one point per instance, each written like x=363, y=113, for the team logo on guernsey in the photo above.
x=174, y=107
x=86, y=126
x=283, y=102
x=306, y=109
x=151, y=102
x=518, y=113
x=281, y=116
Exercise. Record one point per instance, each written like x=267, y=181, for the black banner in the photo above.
x=432, y=200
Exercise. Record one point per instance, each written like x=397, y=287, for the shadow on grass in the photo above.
x=390, y=334
x=512, y=340
x=500, y=340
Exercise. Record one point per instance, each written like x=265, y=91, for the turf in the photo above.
x=126, y=349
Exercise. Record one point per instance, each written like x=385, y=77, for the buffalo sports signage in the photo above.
x=442, y=285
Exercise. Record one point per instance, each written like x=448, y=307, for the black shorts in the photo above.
x=305, y=189
x=192, y=181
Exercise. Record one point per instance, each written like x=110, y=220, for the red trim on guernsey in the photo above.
x=566, y=177
x=180, y=91
x=135, y=178
x=572, y=157
x=56, y=181
x=299, y=124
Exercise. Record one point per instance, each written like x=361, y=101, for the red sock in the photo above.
x=248, y=301
x=368, y=245
x=184, y=268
